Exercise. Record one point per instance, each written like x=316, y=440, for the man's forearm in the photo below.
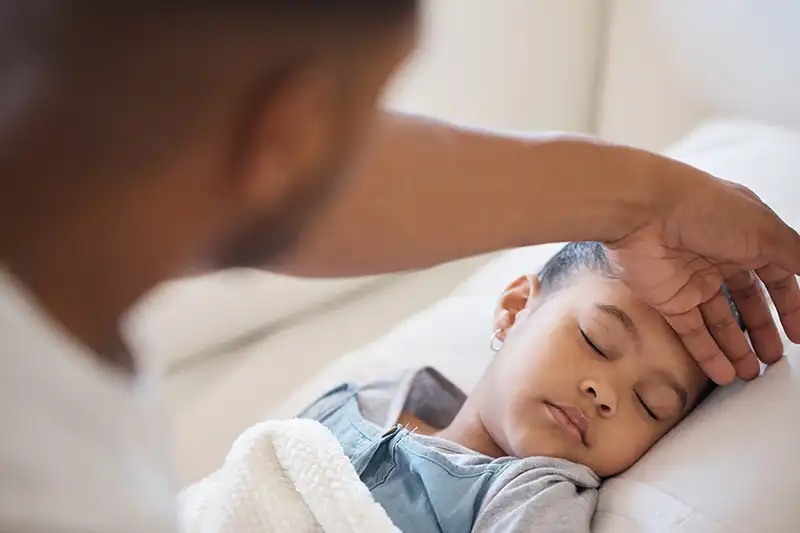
x=424, y=193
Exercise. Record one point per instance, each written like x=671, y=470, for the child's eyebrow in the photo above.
x=622, y=317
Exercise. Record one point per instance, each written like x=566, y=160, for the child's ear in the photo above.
x=517, y=300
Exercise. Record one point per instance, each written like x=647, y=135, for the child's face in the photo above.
x=593, y=351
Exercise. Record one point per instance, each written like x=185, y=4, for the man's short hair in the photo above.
x=124, y=81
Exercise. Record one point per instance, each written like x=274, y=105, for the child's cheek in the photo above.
x=619, y=459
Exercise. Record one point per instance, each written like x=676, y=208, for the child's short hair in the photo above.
x=590, y=255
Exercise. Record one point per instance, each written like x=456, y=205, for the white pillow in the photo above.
x=727, y=467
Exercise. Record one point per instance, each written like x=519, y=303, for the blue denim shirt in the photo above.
x=429, y=485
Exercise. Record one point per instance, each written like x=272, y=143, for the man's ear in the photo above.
x=288, y=131
x=516, y=301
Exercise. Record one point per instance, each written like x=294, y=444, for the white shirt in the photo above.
x=82, y=447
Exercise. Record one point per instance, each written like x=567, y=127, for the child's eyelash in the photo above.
x=592, y=345
x=650, y=413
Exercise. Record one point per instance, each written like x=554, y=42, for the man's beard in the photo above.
x=273, y=235
x=270, y=238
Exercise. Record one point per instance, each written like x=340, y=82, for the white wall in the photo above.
x=669, y=65
x=517, y=64
x=640, y=103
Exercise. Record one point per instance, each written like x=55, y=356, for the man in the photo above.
x=140, y=141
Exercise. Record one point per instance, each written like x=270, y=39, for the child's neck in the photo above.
x=468, y=430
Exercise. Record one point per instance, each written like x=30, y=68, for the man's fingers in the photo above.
x=729, y=337
x=698, y=341
x=785, y=294
x=751, y=302
x=783, y=246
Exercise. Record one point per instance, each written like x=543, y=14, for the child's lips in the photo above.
x=571, y=420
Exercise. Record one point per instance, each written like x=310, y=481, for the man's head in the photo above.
x=255, y=105
x=588, y=371
x=144, y=138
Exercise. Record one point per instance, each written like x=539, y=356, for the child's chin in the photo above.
x=547, y=442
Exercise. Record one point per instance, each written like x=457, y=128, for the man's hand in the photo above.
x=713, y=232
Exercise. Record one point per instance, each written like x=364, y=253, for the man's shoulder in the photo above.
x=82, y=448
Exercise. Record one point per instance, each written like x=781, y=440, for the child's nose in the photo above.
x=602, y=396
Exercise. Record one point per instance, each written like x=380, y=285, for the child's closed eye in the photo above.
x=642, y=403
x=646, y=408
x=592, y=345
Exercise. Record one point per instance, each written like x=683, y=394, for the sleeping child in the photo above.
x=586, y=379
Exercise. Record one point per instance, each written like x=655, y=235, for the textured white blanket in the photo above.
x=286, y=476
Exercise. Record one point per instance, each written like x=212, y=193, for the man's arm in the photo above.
x=425, y=192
